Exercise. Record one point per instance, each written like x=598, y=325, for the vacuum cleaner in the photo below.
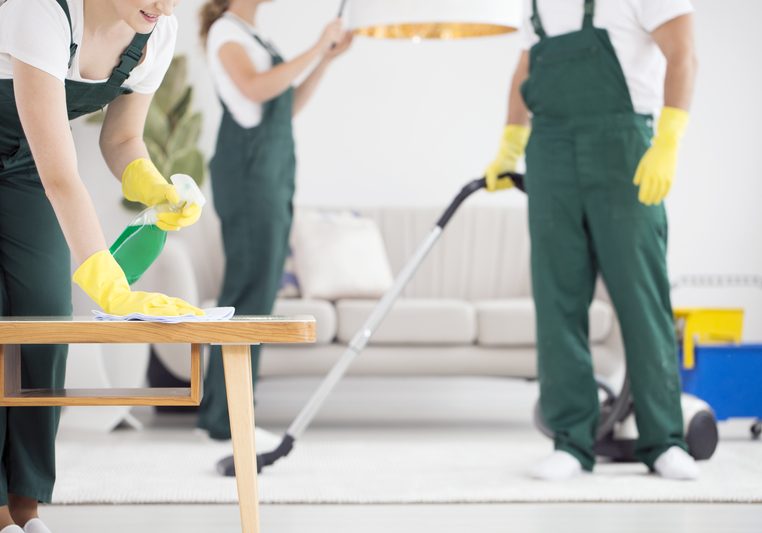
x=615, y=408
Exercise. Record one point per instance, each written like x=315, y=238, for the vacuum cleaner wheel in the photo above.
x=702, y=435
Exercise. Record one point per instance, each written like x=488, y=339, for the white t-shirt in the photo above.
x=36, y=32
x=629, y=23
x=231, y=29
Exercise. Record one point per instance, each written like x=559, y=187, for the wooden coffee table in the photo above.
x=235, y=336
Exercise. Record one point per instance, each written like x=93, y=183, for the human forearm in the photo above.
x=264, y=86
x=119, y=154
x=675, y=40
x=306, y=90
x=679, y=81
x=517, y=110
x=76, y=215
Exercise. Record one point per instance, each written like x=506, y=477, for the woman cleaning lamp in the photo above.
x=254, y=165
x=61, y=59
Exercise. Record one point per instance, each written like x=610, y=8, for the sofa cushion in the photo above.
x=512, y=322
x=339, y=255
x=411, y=321
x=322, y=310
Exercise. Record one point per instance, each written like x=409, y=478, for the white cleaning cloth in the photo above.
x=675, y=463
x=35, y=525
x=214, y=314
x=558, y=466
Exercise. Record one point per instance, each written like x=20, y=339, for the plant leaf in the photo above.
x=157, y=155
x=189, y=161
x=157, y=126
x=186, y=134
x=132, y=206
x=182, y=107
x=97, y=117
x=172, y=88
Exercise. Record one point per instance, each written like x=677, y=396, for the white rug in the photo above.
x=398, y=465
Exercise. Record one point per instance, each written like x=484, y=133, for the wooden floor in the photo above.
x=536, y=518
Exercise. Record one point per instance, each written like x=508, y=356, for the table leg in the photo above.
x=240, y=394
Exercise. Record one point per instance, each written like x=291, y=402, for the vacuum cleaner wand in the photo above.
x=226, y=466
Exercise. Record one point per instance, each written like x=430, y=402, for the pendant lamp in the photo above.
x=432, y=19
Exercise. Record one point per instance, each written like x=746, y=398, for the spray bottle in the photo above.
x=142, y=241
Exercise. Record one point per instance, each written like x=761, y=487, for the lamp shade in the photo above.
x=433, y=19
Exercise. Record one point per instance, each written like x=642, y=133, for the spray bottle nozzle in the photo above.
x=187, y=190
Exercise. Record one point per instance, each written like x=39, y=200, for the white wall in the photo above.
x=402, y=123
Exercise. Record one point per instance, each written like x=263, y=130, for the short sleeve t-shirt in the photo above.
x=231, y=29
x=37, y=33
x=629, y=24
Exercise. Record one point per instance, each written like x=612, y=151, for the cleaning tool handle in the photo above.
x=516, y=178
x=342, y=8
x=473, y=186
x=188, y=190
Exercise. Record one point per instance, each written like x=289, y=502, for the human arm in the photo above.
x=41, y=104
x=306, y=89
x=515, y=133
x=126, y=155
x=263, y=86
x=657, y=168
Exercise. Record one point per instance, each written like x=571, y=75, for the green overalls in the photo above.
x=253, y=174
x=585, y=218
x=35, y=278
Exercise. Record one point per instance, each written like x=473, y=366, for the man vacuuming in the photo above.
x=593, y=75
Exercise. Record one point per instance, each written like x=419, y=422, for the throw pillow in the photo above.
x=339, y=255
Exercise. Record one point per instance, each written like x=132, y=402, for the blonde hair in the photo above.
x=209, y=13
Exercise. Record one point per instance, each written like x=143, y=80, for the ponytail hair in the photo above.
x=209, y=13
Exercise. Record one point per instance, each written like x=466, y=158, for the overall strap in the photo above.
x=72, y=45
x=270, y=49
x=536, y=22
x=587, y=22
x=128, y=60
x=267, y=46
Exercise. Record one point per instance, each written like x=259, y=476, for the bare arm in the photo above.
x=517, y=109
x=675, y=39
x=41, y=103
x=304, y=92
x=263, y=86
x=121, y=138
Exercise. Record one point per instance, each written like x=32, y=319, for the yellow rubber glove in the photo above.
x=512, y=147
x=142, y=182
x=103, y=280
x=656, y=170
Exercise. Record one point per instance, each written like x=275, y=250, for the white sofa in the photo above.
x=468, y=310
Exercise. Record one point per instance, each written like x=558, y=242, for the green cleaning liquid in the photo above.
x=137, y=248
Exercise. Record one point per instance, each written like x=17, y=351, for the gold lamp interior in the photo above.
x=433, y=30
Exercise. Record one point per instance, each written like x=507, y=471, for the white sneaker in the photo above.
x=35, y=525
x=12, y=529
x=558, y=466
x=676, y=463
x=266, y=440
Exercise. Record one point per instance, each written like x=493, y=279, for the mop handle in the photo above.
x=342, y=8
x=477, y=185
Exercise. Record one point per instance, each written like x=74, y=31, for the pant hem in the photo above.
x=650, y=457
x=42, y=496
x=587, y=463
